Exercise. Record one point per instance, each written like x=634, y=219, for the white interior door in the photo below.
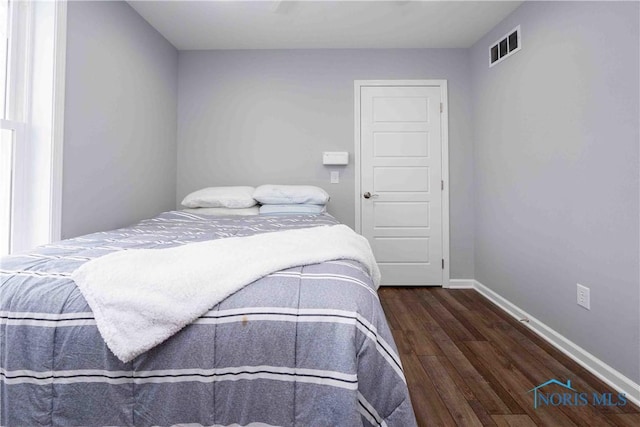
x=401, y=176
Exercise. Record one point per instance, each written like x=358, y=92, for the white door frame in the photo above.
x=444, y=123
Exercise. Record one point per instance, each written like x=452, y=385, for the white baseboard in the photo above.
x=597, y=367
x=461, y=284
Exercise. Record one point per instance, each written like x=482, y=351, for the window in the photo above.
x=4, y=41
x=507, y=45
x=8, y=131
x=31, y=42
x=6, y=141
x=6, y=182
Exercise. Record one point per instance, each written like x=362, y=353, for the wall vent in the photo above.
x=506, y=46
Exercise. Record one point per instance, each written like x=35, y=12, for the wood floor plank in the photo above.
x=533, y=366
x=482, y=413
x=462, y=385
x=625, y=420
x=513, y=421
x=447, y=294
x=501, y=400
x=481, y=381
x=404, y=347
x=429, y=408
x=516, y=384
x=533, y=337
x=421, y=336
x=407, y=320
x=421, y=344
x=485, y=388
x=538, y=349
x=455, y=308
x=455, y=329
x=467, y=362
x=458, y=406
x=412, y=326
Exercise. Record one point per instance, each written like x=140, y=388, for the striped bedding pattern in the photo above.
x=308, y=346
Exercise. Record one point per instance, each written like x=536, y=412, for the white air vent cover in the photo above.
x=509, y=44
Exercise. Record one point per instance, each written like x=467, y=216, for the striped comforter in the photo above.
x=308, y=346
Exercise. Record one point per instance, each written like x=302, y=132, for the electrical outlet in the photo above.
x=335, y=177
x=584, y=299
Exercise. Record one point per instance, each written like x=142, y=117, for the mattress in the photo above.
x=308, y=346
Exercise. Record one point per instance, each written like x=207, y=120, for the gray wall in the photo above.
x=556, y=172
x=257, y=117
x=120, y=119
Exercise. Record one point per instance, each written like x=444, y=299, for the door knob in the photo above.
x=368, y=195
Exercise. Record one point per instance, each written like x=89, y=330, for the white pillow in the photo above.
x=221, y=197
x=290, y=194
x=298, y=208
x=254, y=210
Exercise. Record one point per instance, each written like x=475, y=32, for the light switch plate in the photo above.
x=335, y=177
x=584, y=297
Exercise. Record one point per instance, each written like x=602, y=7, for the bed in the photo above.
x=307, y=346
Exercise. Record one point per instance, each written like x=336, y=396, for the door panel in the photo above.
x=402, y=249
x=401, y=214
x=401, y=150
x=412, y=274
x=400, y=109
x=401, y=144
x=401, y=179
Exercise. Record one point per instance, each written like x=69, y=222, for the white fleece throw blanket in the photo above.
x=141, y=297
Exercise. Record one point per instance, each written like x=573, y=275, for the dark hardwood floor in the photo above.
x=468, y=363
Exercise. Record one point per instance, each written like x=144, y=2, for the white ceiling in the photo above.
x=269, y=24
